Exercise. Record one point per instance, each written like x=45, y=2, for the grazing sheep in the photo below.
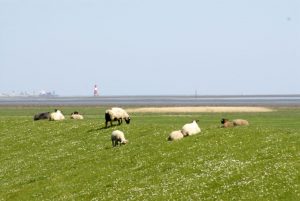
x=116, y=137
x=76, y=115
x=40, y=116
x=190, y=129
x=116, y=114
x=56, y=116
x=236, y=122
x=175, y=135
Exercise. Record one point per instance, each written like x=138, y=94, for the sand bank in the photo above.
x=197, y=109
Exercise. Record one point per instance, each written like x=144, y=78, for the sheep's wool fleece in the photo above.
x=240, y=122
x=76, y=116
x=228, y=124
x=57, y=116
x=175, y=135
x=118, y=135
x=117, y=112
x=191, y=129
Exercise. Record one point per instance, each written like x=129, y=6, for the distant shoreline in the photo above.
x=141, y=96
x=156, y=100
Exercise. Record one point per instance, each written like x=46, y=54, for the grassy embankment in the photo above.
x=75, y=160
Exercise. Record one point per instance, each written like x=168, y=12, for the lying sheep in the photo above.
x=76, y=115
x=190, y=129
x=175, y=135
x=118, y=137
x=56, y=116
x=40, y=116
x=236, y=122
x=240, y=122
x=226, y=123
x=116, y=114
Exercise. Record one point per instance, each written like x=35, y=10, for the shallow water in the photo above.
x=267, y=100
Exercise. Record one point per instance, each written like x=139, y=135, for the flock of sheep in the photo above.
x=56, y=116
x=119, y=114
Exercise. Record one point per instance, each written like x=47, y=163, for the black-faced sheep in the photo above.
x=226, y=123
x=117, y=137
x=56, y=116
x=236, y=122
x=175, y=135
x=116, y=114
x=190, y=129
x=76, y=115
x=40, y=116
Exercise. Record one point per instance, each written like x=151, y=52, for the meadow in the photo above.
x=75, y=160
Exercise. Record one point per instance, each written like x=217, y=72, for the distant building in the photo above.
x=96, y=93
x=42, y=93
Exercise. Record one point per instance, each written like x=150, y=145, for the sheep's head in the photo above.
x=57, y=111
x=223, y=121
x=127, y=120
x=124, y=142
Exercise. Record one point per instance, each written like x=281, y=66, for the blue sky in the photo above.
x=136, y=47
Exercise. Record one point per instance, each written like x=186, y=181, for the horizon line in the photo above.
x=157, y=95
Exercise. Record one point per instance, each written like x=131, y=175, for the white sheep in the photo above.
x=118, y=136
x=175, y=135
x=116, y=114
x=76, y=115
x=190, y=129
x=57, y=115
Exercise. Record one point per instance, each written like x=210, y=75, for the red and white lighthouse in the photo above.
x=96, y=93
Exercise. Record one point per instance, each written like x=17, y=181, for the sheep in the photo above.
x=190, y=129
x=57, y=115
x=226, y=123
x=40, y=116
x=175, y=135
x=240, y=122
x=236, y=122
x=76, y=115
x=116, y=114
x=118, y=136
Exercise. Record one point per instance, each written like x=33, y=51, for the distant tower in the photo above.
x=96, y=91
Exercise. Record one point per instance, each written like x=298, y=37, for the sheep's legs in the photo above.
x=115, y=143
x=106, y=122
x=119, y=121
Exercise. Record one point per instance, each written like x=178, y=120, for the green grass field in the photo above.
x=74, y=160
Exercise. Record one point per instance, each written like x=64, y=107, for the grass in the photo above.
x=74, y=160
